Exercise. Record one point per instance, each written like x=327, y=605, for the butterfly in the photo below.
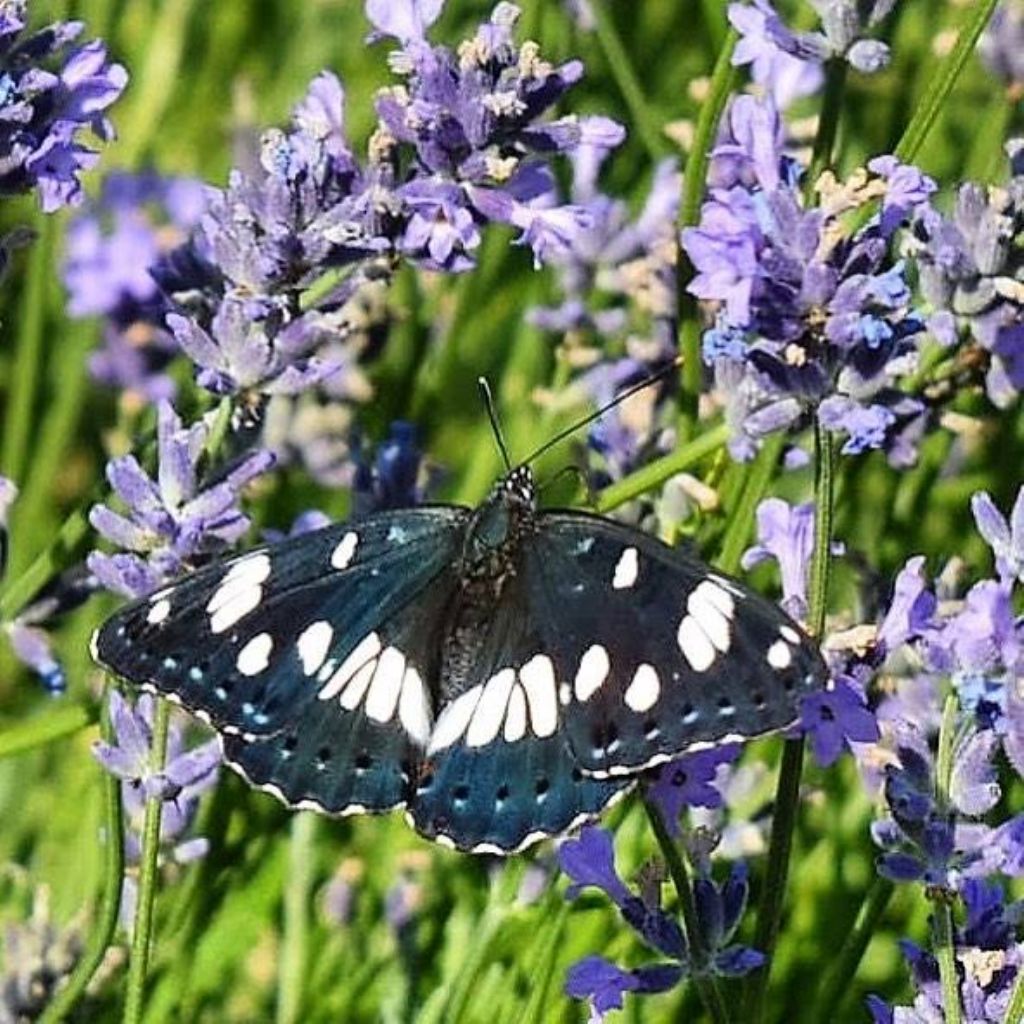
x=503, y=673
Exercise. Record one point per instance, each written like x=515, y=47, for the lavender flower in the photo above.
x=589, y=862
x=989, y=958
x=843, y=26
x=811, y=318
x=1006, y=539
x=184, y=777
x=391, y=480
x=691, y=781
x=112, y=248
x=973, y=275
x=170, y=520
x=784, y=76
x=836, y=718
x=253, y=347
x=1002, y=45
x=50, y=94
x=785, y=534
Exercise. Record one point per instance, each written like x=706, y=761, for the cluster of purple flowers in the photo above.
x=814, y=319
x=49, y=94
x=971, y=272
x=589, y=862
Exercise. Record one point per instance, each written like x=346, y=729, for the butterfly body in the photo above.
x=501, y=673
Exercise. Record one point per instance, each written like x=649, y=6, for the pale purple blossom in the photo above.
x=172, y=518
x=51, y=94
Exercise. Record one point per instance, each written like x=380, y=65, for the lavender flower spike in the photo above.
x=49, y=97
x=171, y=519
x=1006, y=539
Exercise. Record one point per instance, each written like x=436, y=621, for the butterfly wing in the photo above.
x=658, y=652
x=499, y=772
x=313, y=656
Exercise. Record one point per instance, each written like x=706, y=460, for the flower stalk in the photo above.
x=707, y=986
x=787, y=800
x=142, y=934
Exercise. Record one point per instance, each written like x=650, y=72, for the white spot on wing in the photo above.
x=720, y=598
x=342, y=554
x=386, y=687
x=779, y=655
x=367, y=648
x=698, y=650
x=643, y=692
x=254, y=657
x=564, y=694
x=490, y=712
x=454, y=719
x=313, y=644
x=538, y=679
x=414, y=708
x=356, y=687
x=237, y=605
x=239, y=592
x=701, y=604
x=789, y=633
x=515, y=718
x=158, y=611
x=626, y=570
x=593, y=671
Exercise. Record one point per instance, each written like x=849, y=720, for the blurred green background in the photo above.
x=485, y=942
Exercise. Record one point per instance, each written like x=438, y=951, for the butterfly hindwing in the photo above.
x=660, y=653
x=500, y=773
x=312, y=656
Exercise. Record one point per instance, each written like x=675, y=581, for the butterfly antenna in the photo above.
x=598, y=413
x=492, y=415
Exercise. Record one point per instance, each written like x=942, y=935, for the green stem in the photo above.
x=723, y=79
x=295, y=945
x=28, y=355
x=142, y=933
x=828, y=126
x=626, y=79
x=655, y=473
x=69, y=543
x=707, y=987
x=219, y=429
x=944, y=755
x=741, y=518
x=787, y=798
x=942, y=82
x=1015, y=1010
x=946, y=956
x=102, y=934
x=836, y=985
x=942, y=921
x=821, y=558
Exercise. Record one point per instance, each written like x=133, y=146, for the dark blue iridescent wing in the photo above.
x=499, y=772
x=315, y=657
x=658, y=653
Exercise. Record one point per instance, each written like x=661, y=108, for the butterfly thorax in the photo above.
x=489, y=562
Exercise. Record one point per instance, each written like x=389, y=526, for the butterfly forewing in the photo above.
x=658, y=652
x=314, y=656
